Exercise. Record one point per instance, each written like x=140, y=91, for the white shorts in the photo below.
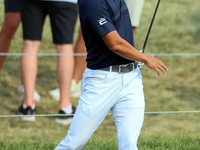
x=102, y=91
x=135, y=10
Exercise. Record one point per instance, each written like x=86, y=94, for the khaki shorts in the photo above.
x=135, y=10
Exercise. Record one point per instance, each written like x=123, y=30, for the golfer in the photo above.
x=112, y=79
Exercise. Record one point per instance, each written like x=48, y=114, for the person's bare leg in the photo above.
x=79, y=61
x=65, y=65
x=29, y=69
x=79, y=68
x=134, y=30
x=10, y=25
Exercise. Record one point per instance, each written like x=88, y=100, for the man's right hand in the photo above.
x=156, y=64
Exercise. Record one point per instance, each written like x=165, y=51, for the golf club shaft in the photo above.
x=147, y=36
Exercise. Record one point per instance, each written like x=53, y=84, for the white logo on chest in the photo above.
x=102, y=21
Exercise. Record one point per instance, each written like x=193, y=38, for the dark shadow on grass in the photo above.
x=41, y=110
x=12, y=66
x=195, y=20
x=8, y=96
x=188, y=94
x=45, y=75
x=7, y=91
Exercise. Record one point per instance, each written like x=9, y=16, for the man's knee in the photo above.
x=9, y=30
x=11, y=24
x=31, y=46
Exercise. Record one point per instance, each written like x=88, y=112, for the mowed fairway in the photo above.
x=176, y=29
x=153, y=142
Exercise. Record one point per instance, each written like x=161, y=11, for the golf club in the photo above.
x=147, y=36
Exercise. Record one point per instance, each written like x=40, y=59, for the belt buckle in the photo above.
x=135, y=65
x=120, y=68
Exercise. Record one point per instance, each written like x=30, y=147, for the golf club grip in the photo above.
x=147, y=36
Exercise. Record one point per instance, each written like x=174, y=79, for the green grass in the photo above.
x=165, y=142
x=149, y=142
x=175, y=30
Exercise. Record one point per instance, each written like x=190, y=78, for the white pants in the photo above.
x=102, y=91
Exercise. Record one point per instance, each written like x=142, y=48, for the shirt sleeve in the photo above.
x=97, y=14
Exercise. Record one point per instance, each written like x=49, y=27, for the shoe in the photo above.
x=65, y=120
x=21, y=92
x=55, y=94
x=75, y=91
x=27, y=111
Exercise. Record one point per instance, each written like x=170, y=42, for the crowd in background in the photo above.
x=63, y=16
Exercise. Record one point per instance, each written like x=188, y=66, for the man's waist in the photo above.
x=124, y=68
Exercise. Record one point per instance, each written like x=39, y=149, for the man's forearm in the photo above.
x=129, y=52
x=121, y=47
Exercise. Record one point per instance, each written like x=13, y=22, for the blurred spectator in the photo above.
x=63, y=17
x=79, y=68
x=10, y=25
x=11, y=22
x=135, y=10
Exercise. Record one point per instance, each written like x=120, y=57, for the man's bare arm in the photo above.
x=121, y=47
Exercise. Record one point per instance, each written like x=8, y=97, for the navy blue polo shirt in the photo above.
x=97, y=18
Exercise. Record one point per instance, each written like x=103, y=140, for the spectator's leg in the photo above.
x=134, y=30
x=11, y=23
x=79, y=61
x=65, y=65
x=63, y=23
x=33, y=14
x=79, y=68
x=29, y=69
